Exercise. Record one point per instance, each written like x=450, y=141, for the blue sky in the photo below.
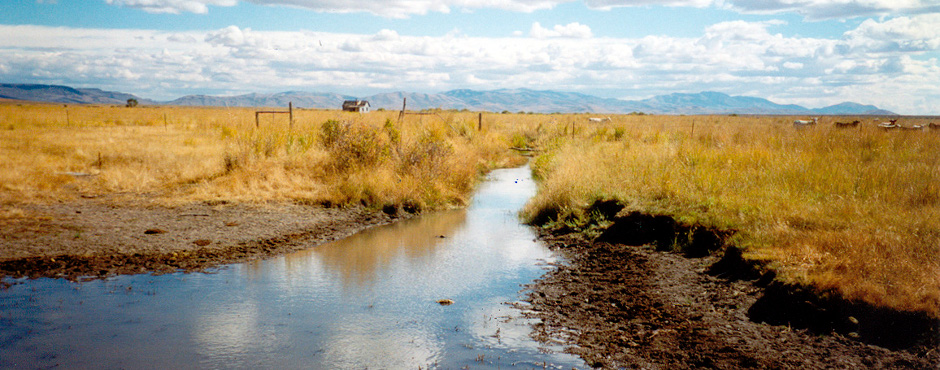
x=809, y=52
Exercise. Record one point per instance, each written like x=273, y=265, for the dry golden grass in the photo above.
x=856, y=210
x=173, y=155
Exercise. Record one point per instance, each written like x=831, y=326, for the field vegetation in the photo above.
x=852, y=210
x=173, y=155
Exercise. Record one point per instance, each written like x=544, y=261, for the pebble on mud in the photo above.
x=202, y=242
x=445, y=302
x=154, y=231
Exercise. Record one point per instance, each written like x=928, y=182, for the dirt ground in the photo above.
x=621, y=306
x=94, y=238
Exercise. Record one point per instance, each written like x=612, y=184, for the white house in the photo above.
x=360, y=106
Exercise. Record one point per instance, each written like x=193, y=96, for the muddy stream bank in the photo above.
x=617, y=302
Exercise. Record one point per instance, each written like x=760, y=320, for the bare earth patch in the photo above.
x=90, y=237
x=621, y=306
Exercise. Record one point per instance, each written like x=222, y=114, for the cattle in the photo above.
x=890, y=125
x=847, y=124
x=804, y=123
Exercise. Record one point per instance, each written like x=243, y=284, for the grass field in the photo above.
x=177, y=154
x=855, y=210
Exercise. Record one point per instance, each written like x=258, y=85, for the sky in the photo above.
x=814, y=53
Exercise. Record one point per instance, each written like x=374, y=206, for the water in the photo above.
x=368, y=301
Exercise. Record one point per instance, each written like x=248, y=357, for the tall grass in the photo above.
x=175, y=155
x=854, y=210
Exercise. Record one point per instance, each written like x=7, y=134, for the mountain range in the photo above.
x=512, y=100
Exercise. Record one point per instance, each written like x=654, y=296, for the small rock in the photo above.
x=445, y=302
x=853, y=320
x=202, y=242
x=154, y=231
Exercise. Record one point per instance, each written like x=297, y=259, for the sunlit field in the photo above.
x=856, y=210
x=174, y=154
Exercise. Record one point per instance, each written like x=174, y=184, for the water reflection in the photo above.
x=360, y=258
x=227, y=330
x=363, y=302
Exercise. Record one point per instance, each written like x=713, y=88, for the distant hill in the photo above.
x=848, y=108
x=717, y=103
x=298, y=98
x=65, y=94
x=525, y=100
x=512, y=100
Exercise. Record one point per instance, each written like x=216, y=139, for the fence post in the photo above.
x=290, y=110
x=401, y=115
x=257, y=122
x=480, y=125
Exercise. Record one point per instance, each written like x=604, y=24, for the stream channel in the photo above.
x=368, y=301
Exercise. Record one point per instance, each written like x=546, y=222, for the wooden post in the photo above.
x=68, y=122
x=290, y=110
x=257, y=122
x=480, y=125
x=693, y=128
x=401, y=115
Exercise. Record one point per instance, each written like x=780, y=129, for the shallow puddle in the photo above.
x=368, y=301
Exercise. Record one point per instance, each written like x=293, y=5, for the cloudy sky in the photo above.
x=809, y=52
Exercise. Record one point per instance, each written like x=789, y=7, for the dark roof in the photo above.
x=355, y=103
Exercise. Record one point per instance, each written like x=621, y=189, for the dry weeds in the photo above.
x=854, y=210
x=177, y=155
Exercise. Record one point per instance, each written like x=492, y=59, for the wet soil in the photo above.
x=620, y=306
x=95, y=238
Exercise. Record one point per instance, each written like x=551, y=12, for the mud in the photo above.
x=89, y=238
x=623, y=306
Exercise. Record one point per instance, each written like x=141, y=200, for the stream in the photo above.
x=367, y=301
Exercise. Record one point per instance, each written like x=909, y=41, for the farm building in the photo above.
x=360, y=106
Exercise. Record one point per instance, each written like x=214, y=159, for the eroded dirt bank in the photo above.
x=635, y=307
x=93, y=238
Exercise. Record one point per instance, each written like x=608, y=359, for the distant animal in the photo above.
x=802, y=122
x=914, y=128
x=595, y=119
x=890, y=125
x=847, y=124
x=933, y=126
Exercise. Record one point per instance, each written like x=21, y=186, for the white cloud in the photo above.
x=916, y=33
x=835, y=9
x=607, y=4
x=385, y=8
x=571, y=30
x=230, y=36
x=173, y=6
x=733, y=57
x=386, y=35
x=811, y=9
